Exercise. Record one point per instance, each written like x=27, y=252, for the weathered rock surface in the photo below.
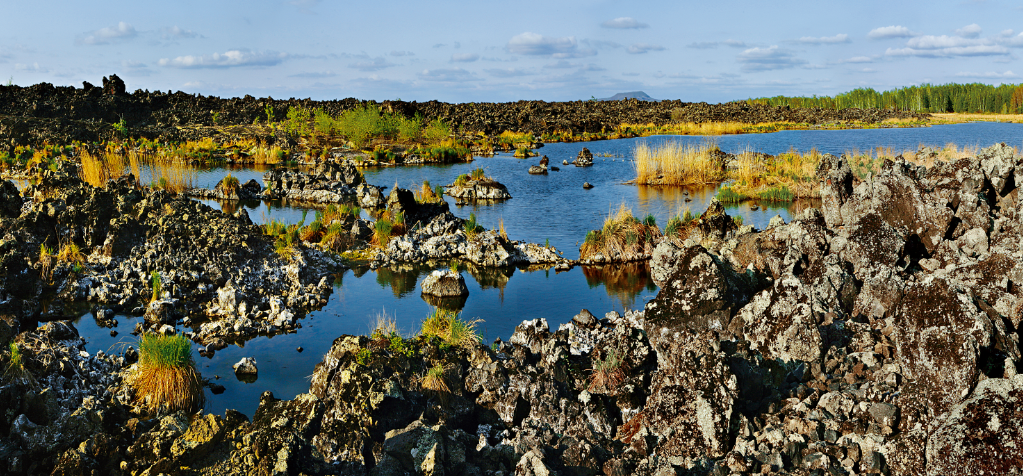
x=584, y=158
x=478, y=190
x=445, y=283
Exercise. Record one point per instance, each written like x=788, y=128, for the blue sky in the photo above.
x=462, y=51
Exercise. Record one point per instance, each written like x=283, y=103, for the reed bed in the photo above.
x=147, y=167
x=675, y=163
x=778, y=178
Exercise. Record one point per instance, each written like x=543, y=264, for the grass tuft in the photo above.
x=451, y=329
x=165, y=378
x=608, y=372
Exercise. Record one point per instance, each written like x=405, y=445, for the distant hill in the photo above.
x=630, y=95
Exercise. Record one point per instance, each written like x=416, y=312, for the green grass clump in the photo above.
x=780, y=193
x=165, y=378
x=472, y=228
x=16, y=370
x=382, y=232
x=462, y=180
x=730, y=195
x=621, y=234
x=477, y=174
x=453, y=331
x=157, y=283
x=434, y=380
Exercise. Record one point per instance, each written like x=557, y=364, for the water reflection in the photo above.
x=622, y=281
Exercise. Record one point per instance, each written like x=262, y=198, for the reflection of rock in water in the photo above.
x=454, y=303
x=490, y=277
x=401, y=279
x=622, y=281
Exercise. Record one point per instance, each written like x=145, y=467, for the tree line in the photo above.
x=952, y=97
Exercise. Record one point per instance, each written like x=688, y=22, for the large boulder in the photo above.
x=702, y=293
x=981, y=435
x=445, y=283
x=938, y=336
x=10, y=200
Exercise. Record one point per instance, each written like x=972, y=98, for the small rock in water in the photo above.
x=555, y=169
x=113, y=333
x=754, y=207
x=688, y=199
x=564, y=162
x=217, y=388
x=246, y=366
x=300, y=349
x=587, y=185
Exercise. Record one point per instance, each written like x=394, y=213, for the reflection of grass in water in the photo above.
x=621, y=281
x=401, y=281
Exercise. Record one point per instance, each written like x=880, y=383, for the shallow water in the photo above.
x=554, y=207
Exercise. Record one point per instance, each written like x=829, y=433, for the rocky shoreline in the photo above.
x=878, y=334
x=43, y=113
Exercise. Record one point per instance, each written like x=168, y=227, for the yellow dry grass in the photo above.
x=675, y=163
x=146, y=166
x=959, y=117
x=621, y=234
x=756, y=175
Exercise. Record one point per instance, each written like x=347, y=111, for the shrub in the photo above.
x=165, y=378
x=436, y=132
x=477, y=174
x=462, y=180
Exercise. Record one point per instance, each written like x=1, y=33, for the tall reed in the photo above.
x=675, y=163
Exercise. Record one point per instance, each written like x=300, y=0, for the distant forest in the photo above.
x=975, y=97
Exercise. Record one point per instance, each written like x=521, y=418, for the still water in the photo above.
x=552, y=208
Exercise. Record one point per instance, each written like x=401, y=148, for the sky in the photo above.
x=486, y=51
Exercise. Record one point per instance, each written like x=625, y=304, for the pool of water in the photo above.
x=554, y=207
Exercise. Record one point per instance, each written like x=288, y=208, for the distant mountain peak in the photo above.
x=629, y=95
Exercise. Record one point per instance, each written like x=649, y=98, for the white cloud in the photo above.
x=104, y=36
x=372, y=64
x=402, y=53
x=825, y=40
x=624, y=23
x=176, y=32
x=447, y=75
x=767, y=59
x=530, y=43
x=464, y=58
x=508, y=72
x=988, y=75
x=930, y=42
x=641, y=48
x=229, y=59
x=969, y=31
x=859, y=59
x=314, y=75
x=894, y=31
x=979, y=50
